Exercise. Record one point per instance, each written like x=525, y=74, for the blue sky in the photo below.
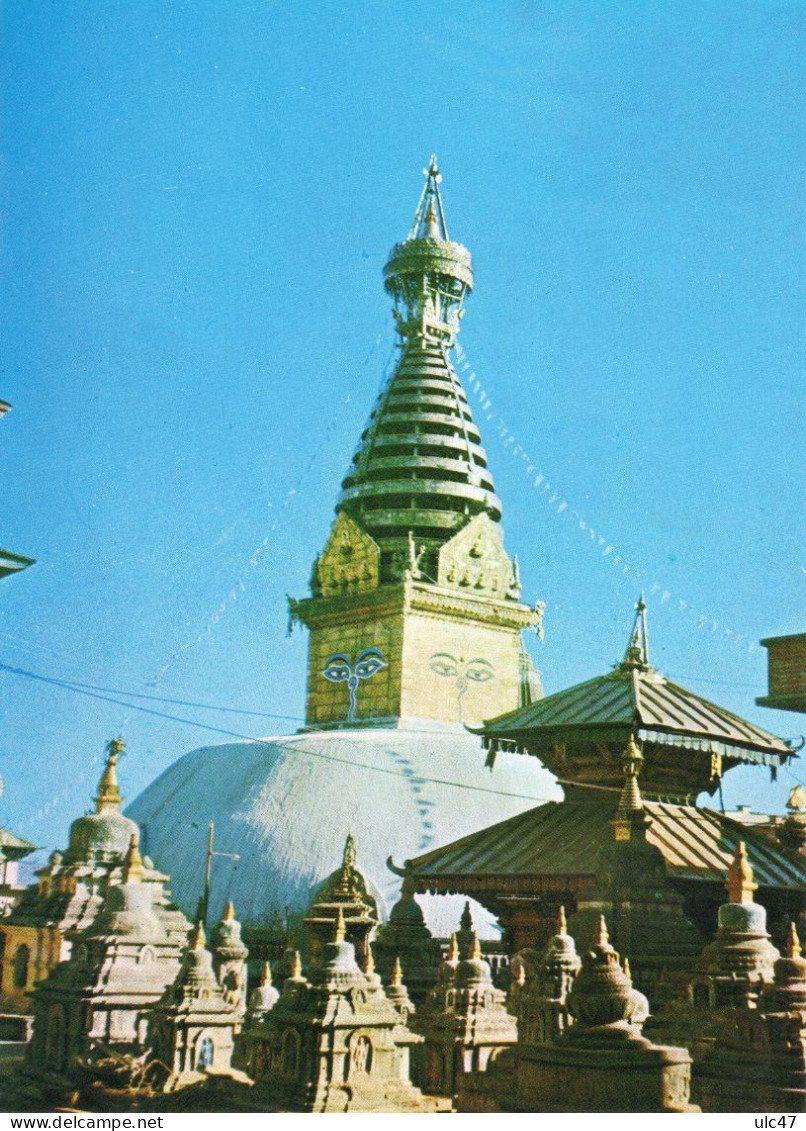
x=199, y=199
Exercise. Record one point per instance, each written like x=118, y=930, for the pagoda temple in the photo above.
x=573, y=852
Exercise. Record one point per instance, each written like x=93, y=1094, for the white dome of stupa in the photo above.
x=286, y=805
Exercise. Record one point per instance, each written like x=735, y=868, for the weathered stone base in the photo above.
x=619, y=1076
x=725, y=1095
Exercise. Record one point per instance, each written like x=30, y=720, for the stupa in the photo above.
x=416, y=625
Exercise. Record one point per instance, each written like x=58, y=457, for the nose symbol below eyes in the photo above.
x=339, y=668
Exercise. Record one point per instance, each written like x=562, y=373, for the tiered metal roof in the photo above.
x=634, y=699
x=565, y=839
x=419, y=466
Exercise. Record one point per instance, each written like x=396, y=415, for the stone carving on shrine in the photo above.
x=350, y=561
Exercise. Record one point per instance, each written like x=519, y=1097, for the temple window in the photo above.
x=204, y=1053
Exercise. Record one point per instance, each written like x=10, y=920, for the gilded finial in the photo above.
x=229, y=911
x=740, y=885
x=265, y=974
x=475, y=946
x=199, y=940
x=792, y=947
x=133, y=864
x=562, y=925
x=369, y=962
x=430, y=227
x=349, y=857
x=341, y=929
x=625, y=966
x=396, y=977
x=601, y=938
x=453, y=949
x=108, y=798
x=296, y=966
x=637, y=654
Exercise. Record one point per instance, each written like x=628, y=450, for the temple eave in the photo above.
x=414, y=596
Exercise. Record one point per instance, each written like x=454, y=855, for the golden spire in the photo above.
x=265, y=974
x=475, y=946
x=133, y=864
x=296, y=966
x=108, y=799
x=229, y=912
x=637, y=654
x=341, y=929
x=740, y=883
x=562, y=925
x=453, y=949
x=199, y=941
x=792, y=947
x=396, y=977
x=601, y=938
x=625, y=966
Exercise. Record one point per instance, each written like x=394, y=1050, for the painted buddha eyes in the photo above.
x=337, y=668
x=443, y=664
x=478, y=670
x=368, y=663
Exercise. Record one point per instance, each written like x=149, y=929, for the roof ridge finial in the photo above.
x=637, y=654
x=741, y=884
x=630, y=800
x=108, y=798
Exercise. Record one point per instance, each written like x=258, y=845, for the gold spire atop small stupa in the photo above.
x=296, y=966
x=475, y=946
x=229, y=912
x=341, y=928
x=369, y=962
x=562, y=925
x=199, y=940
x=741, y=884
x=792, y=947
x=396, y=977
x=133, y=864
x=625, y=966
x=453, y=949
x=108, y=798
x=265, y=974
